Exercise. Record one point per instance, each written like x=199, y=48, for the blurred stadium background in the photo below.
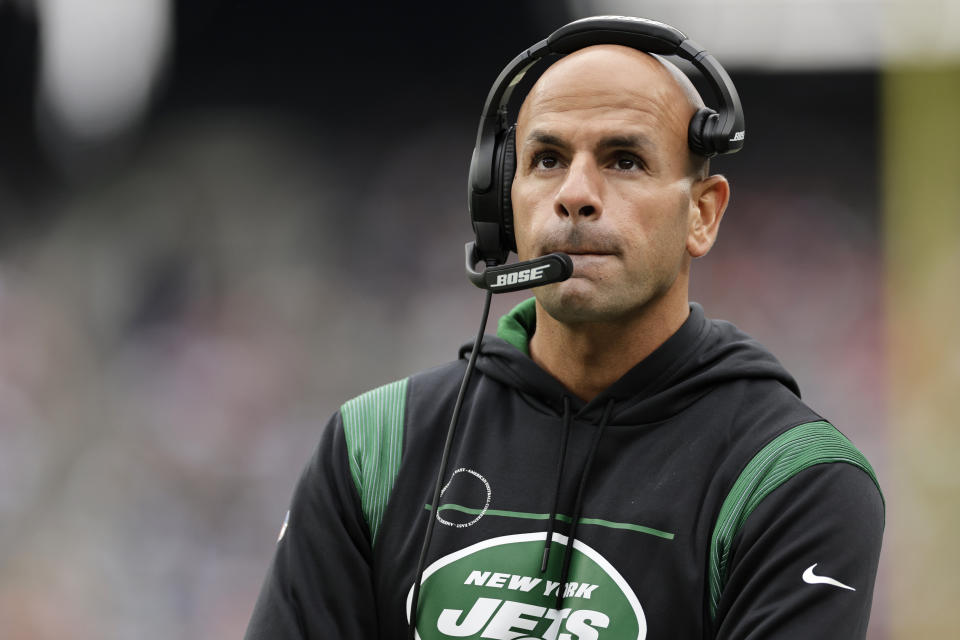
x=221, y=219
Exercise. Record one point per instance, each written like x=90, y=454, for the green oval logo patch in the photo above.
x=494, y=590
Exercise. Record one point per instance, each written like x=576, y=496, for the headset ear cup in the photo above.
x=703, y=124
x=508, y=168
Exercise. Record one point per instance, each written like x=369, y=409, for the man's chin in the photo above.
x=575, y=301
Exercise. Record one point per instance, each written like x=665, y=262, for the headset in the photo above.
x=492, y=168
x=711, y=132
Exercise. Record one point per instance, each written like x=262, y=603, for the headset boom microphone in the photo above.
x=553, y=267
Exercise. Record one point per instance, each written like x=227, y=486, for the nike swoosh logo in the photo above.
x=811, y=578
x=283, y=529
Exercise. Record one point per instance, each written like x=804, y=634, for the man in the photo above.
x=624, y=467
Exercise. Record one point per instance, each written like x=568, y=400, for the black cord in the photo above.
x=434, y=503
x=578, y=505
x=545, y=558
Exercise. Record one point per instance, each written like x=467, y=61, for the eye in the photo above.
x=545, y=160
x=627, y=162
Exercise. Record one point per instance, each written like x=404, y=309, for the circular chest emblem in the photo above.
x=494, y=589
x=481, y=496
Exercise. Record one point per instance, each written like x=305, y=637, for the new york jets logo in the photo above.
x=494, y=589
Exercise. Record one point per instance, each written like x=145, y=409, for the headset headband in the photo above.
x=638, y=33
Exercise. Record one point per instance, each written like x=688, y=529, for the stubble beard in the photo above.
x=577, y=304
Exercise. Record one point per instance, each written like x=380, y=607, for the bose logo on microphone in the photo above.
x=524, y=275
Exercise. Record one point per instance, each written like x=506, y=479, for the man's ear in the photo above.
x=709, y=198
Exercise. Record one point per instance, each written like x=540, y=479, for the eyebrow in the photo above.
x=632, y=141
x=546, y=139
x=628, y=141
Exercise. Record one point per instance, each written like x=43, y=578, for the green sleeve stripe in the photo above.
x=373, y=426
x=790, y=453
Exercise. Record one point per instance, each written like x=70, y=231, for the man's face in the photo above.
x=602, y=174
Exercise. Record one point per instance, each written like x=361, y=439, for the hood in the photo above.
x=700, y=356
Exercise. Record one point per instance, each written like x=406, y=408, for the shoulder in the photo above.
x=375, y=427
x=388, y=403
x=375, y=422
x=811, y=464
x=793, y=451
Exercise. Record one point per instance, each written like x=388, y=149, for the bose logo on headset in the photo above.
x=515, y=277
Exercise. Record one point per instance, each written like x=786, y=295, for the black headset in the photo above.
x=494, y=156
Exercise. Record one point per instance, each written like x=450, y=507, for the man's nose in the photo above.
x=579, y=195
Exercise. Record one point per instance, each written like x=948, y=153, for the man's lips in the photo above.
x=582, y=258
x=588, y=251
x=585, y=260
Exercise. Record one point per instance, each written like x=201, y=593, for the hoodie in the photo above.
x=696, y=497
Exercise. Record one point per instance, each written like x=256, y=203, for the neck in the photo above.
x=588, y=357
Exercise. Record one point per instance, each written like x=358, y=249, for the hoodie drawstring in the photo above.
x=556, y=490
x=578, y=505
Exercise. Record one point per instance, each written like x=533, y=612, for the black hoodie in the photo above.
x=709, y=502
